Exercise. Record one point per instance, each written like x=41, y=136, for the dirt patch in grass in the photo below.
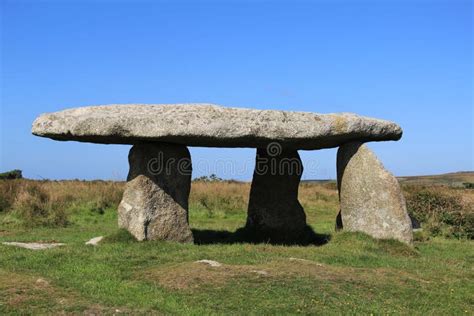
x=193, y=275
x=21, y=293
x=4, y=233
x=18, y=289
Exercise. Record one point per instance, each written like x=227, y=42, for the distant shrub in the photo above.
x=468, y=185
x=441, y=213
x=10, y=175
x=211, y=178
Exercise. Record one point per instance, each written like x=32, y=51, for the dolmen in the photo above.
x=155, y=201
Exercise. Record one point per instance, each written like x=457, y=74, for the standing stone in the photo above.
x=155, y=202
x=370, y=197
x=274, y=213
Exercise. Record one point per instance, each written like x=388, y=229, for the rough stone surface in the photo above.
x=155, y=202
x=33, y=245
x=370, y=197
x=211, y=126
x=274, y=211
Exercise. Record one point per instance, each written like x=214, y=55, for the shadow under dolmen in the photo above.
x=307, y=237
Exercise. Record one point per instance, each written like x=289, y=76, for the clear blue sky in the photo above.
x=406, y=61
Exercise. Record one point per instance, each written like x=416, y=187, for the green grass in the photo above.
x=351, y=274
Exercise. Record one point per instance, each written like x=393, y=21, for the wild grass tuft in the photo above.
x=119, y=236
x=50, y=203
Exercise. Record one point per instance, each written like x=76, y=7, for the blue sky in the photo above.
x=406, y=61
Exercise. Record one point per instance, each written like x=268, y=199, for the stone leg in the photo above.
x=274, y=212
x=155, y=202
x=370, y=197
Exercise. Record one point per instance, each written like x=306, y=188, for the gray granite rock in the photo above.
x=211, y=126
x=274, y=213
x=371, y=200
x=155, y=202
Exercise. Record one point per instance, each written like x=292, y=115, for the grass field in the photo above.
x=455, y=179
x=351, y=274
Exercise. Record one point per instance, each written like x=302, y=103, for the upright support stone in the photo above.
x=370, y=197
x=155, y=202
x=274, y=212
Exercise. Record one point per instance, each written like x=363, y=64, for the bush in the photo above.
x=468, y=185
x=211, y=178
x=10, y=175
x=441, y=213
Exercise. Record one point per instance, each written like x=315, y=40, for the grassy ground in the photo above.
x=350, y=274
x=456, y=179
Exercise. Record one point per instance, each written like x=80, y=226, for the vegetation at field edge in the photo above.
x=352, y=273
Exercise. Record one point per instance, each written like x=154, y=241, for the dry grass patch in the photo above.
x=194, y=275
x=21, y=294
x=322, y=196
x=18, y=289
x=4, y=232
x=49, y=203
x=224, y=196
